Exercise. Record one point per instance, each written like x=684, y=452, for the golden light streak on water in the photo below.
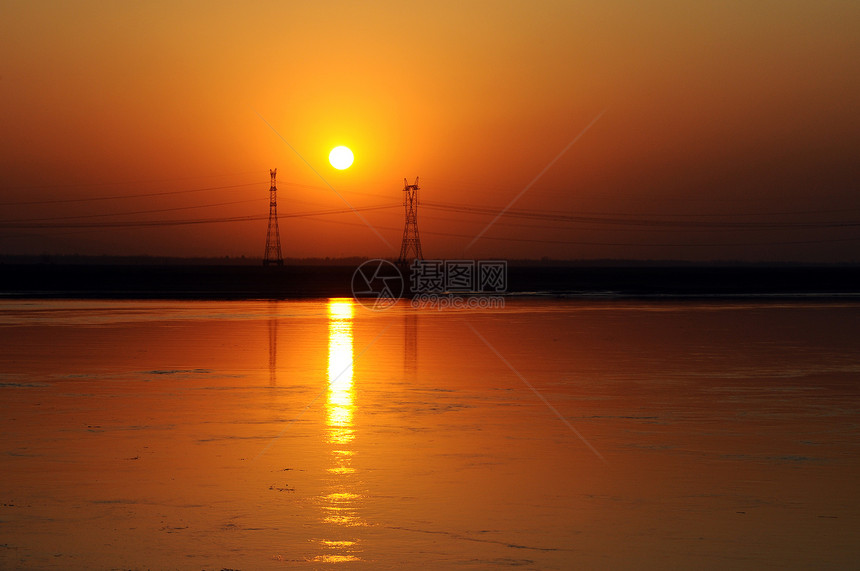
x=339, y=404
x=340, y=506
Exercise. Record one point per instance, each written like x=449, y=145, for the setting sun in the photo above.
x=340, y=157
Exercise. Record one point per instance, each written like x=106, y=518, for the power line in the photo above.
x=183, y=222
x=641, y=222
x=591, y=243
x=123, y=196
x=78, y=216
x=550, y=225
x=459, y=188
x=612, y=220
x=125, y=182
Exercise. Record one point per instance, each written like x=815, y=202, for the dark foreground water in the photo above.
x=321, y=435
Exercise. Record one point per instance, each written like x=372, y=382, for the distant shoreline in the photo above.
x=353, y=261
x=112, y=281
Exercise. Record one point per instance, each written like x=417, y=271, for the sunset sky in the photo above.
x=703, y=130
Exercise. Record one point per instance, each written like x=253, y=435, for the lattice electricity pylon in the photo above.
x=411, y=241
x=273, y=235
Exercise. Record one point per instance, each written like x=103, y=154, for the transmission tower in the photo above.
x=273, y=235
x=411, y=241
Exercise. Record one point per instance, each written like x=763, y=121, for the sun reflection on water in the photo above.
x=340, y=505
x=339, y=404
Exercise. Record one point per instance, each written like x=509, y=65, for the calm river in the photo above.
x=551, y=434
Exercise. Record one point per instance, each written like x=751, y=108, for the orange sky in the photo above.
x=729, y=129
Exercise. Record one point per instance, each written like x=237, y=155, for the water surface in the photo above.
x=317, y=434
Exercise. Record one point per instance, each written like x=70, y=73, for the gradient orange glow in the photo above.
x=744, y=110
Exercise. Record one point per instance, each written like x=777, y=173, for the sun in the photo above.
x=340, y=158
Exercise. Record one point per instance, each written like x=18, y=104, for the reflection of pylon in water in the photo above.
x=273, y=345
x=410, y=249
x=273, y=235
x=410, y=345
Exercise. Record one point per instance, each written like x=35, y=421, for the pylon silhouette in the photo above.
x=273, y=235
x=410, y=248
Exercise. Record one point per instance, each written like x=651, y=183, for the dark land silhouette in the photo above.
x=332, y=278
